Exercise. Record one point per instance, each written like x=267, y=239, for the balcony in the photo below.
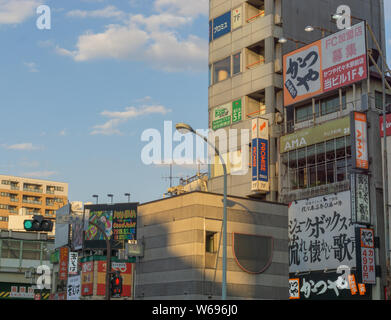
x=32, y=201
x=29, y=189
x=254, y=9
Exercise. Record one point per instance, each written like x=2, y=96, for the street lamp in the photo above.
x=127, y=195
x=96, y=196
x=111, y=196
x=185, y=128
x=284, y=40
x=312, y=28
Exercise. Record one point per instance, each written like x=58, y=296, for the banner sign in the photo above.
x=307, y=137
x=366, y=255
x=73, y=263
x=124, y=224
x=119, y=221
x=327, y=286
x=359, y=140
x=360, y=198
x=87, y=278
x=221, y=25
x=237, y=20
x=226, y=114
x=327, y=64
x=260, y=155
x=388, y=125
x=125, y=270
x=73, y=288
x=63, y=272
x=321, y=233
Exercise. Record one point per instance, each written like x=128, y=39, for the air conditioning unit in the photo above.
x=278, y=19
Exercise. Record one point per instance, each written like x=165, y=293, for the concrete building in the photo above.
x=24, y=196
x=22, y=252
x=182, y=248
x=245, y=68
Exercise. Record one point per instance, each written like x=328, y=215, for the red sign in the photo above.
x=388, y=125
x=361, y=142
x=63, y=272
x=87, y=278
x=124, y=268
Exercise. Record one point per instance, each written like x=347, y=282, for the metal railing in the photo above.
x=260, y=14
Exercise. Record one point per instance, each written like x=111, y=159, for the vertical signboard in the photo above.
x=359, y=140
x=73, y=263
x=237, y=19
x=222, y=25
x=63, y=272
x=73, y=288
x=237, y=111
x=125, y=269
x=366, y=255
x=260, y=155
x=124, y=224
x=328, y=64
x=321, y=233
x=87, y=277
x=360, y=193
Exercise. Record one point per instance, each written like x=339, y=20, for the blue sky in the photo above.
x=75, y=99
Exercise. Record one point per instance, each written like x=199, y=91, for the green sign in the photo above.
x=55, y=257
x=237, y=111
x=221, y=116
x=307, y=137
x=226, y=114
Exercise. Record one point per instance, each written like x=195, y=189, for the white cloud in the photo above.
x=17, y=11
x=32, y=66
x=39, y=174
x=116, y=118
x=117, y=42
x=107, y=12
x=22, y=147
x=151, y=39
x=63, y=133
x=184, y=7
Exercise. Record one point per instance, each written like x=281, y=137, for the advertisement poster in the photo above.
x=73, y=288
x=321, y=233
x=360, y=141
x=366, y=255
x=124, y=224
x=104, y=219
x=328, y=64
x=87, y=276
x=63, y=272
x=260, y=155
x=125, y=269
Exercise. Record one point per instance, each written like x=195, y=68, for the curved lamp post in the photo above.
x=185, y=128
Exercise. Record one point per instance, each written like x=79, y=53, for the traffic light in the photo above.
x=38, y=224
x=116, y=285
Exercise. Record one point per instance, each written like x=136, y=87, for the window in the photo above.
x=222, y=70
x=379, y=100
x=303, y=113
x=324, y=163
x=332, y=104
x=211, y=242
x=237, y=63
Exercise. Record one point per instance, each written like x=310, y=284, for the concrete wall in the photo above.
x=175, y=263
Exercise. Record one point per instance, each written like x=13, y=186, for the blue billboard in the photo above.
x=222, y=25
x=263, y=163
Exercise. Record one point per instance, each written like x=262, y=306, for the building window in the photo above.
x=332, y=104
x=324, y=163
x=211, y=242
x=222, y=70
x=303, y=113
x=237, y=63
x=379, y=100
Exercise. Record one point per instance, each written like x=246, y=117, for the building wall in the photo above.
x=45, y=202
x=176, y=265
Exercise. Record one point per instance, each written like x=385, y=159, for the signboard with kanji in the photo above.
x=321, y=233
x=63, y=272
x=366, y=255
x=325, y=65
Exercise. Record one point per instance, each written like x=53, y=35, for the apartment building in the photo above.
x=25, y=196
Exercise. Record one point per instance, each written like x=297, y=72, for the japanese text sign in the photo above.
x=328, y=64
x=63, y=272
x=72, y=264
x=73, y=288
x=366, y=255
x=321, y=233
x=360, y=140
x=260, y=155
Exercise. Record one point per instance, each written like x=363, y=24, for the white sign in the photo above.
x=72, y=265
x=367, y=256
x=321, y=233
x=73, y=288
x=237, y=18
